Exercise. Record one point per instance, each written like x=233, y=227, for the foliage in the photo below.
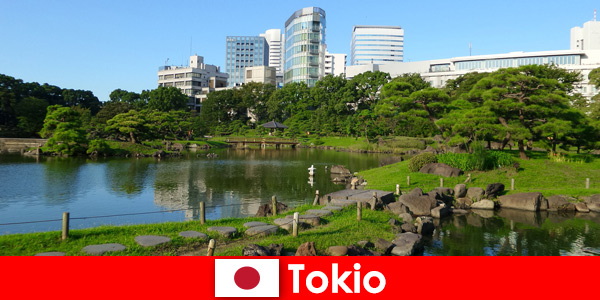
x=480, y=160
x=63, y=127
x=101, y=147
x=167, y=99
x=418, y=161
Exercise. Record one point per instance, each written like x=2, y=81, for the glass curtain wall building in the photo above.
x=242, y=52
x=305, y=46
x=377, y=44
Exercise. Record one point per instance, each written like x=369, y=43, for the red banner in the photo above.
x=329, y=277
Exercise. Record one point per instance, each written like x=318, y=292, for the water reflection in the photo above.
x=128, y=176
x=515, y=233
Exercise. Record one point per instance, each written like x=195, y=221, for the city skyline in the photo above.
x=104, y=45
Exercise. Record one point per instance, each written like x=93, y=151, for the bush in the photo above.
x=418, y=161
x=481, y=159
x=99, y=146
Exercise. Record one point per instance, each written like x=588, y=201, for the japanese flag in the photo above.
x=246, y=278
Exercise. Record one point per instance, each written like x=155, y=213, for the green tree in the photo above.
x=31, y=113
x=62, y=126
x=131, y=125
x=167, y=99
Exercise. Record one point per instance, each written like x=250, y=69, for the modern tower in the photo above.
x=377, y=44
x=305, y=46
x=276, y=42
x=586, y=37
x=242, y=52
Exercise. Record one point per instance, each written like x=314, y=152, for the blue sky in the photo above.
x=104, y=45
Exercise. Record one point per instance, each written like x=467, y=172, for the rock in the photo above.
x=407, y=244
x=406, y=217
x=255, y=250
x=102, y=248
x=475, y=193
x=276, y=249
x=416, y=192
x=358, y=251
x=375, y=204
x=223, y=230
x=212, y=155
x=561, y=203
x=365, y=244
x=408, y=227
x=460, y=190
x=484, y=213
x=445, y=191
x=337, y=250
x=151, y=240
x=393, y=222
x=493, y=190
x=522, y=201
x=463, y=203
x=307, y=249
x=425, y=225
x=193, y=234
x=418, y=205
x=582, y=207
x=254, y=224
x=397, y=208
x=177, y=147
x=440, y=212
x=309, y=219
x=483, y=204
x=441, y=169
x=266, y=210
x=340, y=170
x=51, y=254
x=319, y=212
x=384, y=246
x=332, y=208
x=593, y=203
x=286, y=224
x=263, y=230
x=159, y=154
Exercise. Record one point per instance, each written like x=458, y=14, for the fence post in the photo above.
x=358, y=211
x=441, y=182
x=397, y=189
x=512, y=184
x=295, y=224
x=408, y=180
x=274, y=205
x=316, y=198
x=211, y=248
x=587, y=183
x=65, y=226
x=202, y=213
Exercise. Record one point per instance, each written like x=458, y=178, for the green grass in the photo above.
x=339, y=229
x=539, y=174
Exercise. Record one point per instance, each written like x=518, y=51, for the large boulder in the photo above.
x=460, y=190
x=483, y=204
x=475, y=193
x=441, y=169
x=493, y=190
x=463, y=203
x=593, y=203
x=340, y=170
x=407, y=244
x=384, y=246
x=266, y=210
x=560, y=203
x=582, y=207
x=255, y=250
x=397, y=208
x=307, y=249
x=440, y=211
x=418, y=205
x=425, y=225
x=523, y=201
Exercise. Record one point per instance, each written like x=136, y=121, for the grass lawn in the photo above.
x=339, y=229
x=539, y=174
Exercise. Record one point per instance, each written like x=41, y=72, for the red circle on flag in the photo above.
x=246, y=278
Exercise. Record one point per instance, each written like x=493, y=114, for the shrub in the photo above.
x=481, y=159
x=418, y=161
x=100, y=146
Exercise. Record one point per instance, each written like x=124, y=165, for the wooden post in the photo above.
x=407, y=180
x=202, y=213
x=374, y=201
x=316, y=202
x=211, y=248
x=295, y=224
x=512, y=184
x=358, y=211
x=441, y=182
x=397, y=189
x=274, y=205
x=65, y=226
x=587, y=183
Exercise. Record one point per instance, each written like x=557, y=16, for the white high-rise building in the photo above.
x=586, y=37
x=377, y=44
x=335, y=63
x=276, y=42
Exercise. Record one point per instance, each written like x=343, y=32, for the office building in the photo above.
x=242, y=52
x=262, y=74
x=586, y=37
x=276, y=42
x=304, y=59
x=195, y=80
x=335, y=63
x=376, y=44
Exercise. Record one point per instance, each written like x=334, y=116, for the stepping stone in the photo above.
x=332, y=208
x=193, y=234
x=310, y=219
x=151, y=240
x=284, y=223
x=102, y=248
x=319, y=212
x=254, y=224
x=262, y=230
x=51, y=254
x=223, y=230
x=343, y=202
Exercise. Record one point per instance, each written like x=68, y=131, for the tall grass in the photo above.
x=480, y=160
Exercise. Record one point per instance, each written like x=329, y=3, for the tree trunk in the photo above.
x=578, y=149
x=132, y=137
x=489, y=145
x=522, y=154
